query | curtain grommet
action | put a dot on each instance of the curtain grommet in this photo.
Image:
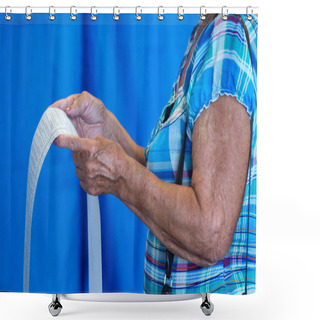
(160, 16)
(180, 15)
(28, 14)
(6, 15)
(249, 15)
(93, 17)
(203, 15)
(224, 12)
(52, 16)
(138, 16)
(73, 16)
(116, 16)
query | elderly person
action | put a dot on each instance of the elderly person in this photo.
(204, 222)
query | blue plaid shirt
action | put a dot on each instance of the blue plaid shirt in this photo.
(220, 65)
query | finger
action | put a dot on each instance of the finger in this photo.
(80, 174)
(63, 104)
(89, 189)
(80, 104)
(91, 186)
(83, 185)
(72, 142)
(78, 158)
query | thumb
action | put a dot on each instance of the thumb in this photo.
(79, 105)
(74, 110)
(63, 104)
(71, 142)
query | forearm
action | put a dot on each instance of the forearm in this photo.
(120, 135)
(170, 211)
(168, 240)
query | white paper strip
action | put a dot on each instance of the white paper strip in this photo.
(94, 244)
(53, 123)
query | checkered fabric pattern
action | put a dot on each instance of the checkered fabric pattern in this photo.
(220, 65)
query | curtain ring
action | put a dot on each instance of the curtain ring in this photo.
(72, 15)
(51, 16)
(116, 17)
(203, 15)
(249, 16)
(224, 12)
(138, 16)
(160, 16)
(28, 15)
(180, 15)
(7, 16)
(93, 17)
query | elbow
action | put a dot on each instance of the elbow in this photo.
(213, 241)
(211, 256)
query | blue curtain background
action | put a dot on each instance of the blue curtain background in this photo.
(131, 66)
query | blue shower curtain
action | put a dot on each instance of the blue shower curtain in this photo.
(130, 65)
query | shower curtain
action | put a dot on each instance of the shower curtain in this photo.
(131, 66)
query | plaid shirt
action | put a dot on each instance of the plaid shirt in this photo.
(220, 65)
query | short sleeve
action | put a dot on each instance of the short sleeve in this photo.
(222, 66)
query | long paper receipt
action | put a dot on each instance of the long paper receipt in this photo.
(53, 123)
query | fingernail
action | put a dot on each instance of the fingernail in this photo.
(68, 109)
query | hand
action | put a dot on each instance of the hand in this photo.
(100, 162)
(87, 113)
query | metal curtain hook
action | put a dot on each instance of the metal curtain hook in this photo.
(138, 16)
(116, 17)
(28, 15)
(249, 16)
(203, 15)
(180, 15)
(160, 16)
(72, 15)
(224, 12)
(7, 16)
(93, 17)
(51, 16)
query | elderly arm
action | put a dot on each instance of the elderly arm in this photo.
(123, 138)
(198, 222)
(195, 222)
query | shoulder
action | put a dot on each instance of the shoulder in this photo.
(222, 38)
(224, 64)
